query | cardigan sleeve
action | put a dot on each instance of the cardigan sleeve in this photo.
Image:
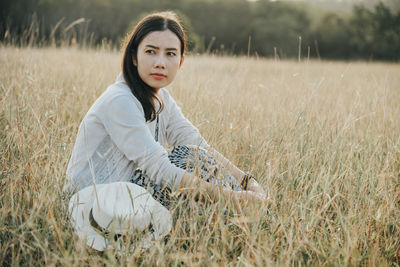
(179, 130)
(123, 119)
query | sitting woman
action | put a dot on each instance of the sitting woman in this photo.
(122, 136)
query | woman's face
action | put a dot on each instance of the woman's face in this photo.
(158, 58)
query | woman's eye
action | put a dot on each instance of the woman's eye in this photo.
(171, 54)
(150, 51)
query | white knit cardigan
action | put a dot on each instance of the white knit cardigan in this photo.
(114, 139)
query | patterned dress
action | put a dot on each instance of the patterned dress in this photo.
(191, 159)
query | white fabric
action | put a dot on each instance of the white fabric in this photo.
(120, 208)
(114, 139)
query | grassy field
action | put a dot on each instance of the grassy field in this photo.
(323, 139)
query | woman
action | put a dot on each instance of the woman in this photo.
(121, 136)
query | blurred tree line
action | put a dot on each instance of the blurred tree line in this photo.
(260, 28)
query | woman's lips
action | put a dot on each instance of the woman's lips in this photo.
(158, 76)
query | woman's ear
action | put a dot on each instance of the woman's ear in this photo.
(182, 59)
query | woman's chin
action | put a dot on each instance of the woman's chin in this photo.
(158, 84)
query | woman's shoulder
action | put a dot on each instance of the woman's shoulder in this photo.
(166, 97)
(116, 95)
(164, 93)
(117, 89)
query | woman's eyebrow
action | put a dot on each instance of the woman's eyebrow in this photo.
(156, 47)
(152, 46)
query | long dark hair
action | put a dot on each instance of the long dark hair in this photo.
(146, 94)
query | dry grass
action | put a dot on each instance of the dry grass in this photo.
(323, 139)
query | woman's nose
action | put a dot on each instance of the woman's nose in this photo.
(160, 62)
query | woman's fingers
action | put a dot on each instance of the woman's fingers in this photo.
(255, 197)
(250, 196)
(258, 190)
(255, 187)
(259, 196)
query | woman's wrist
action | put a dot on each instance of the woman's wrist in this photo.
(246, 181)
(253, 183)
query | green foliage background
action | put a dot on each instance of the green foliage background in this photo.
(217, 26)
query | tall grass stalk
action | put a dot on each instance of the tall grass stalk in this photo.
(62, 34)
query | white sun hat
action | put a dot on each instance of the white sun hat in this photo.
(101, 213)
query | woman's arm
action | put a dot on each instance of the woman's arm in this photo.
(123, 120)
(192, 184)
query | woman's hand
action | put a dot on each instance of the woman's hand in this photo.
(249, 196)
(248, 202)
(255, 193)
(256, 188)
